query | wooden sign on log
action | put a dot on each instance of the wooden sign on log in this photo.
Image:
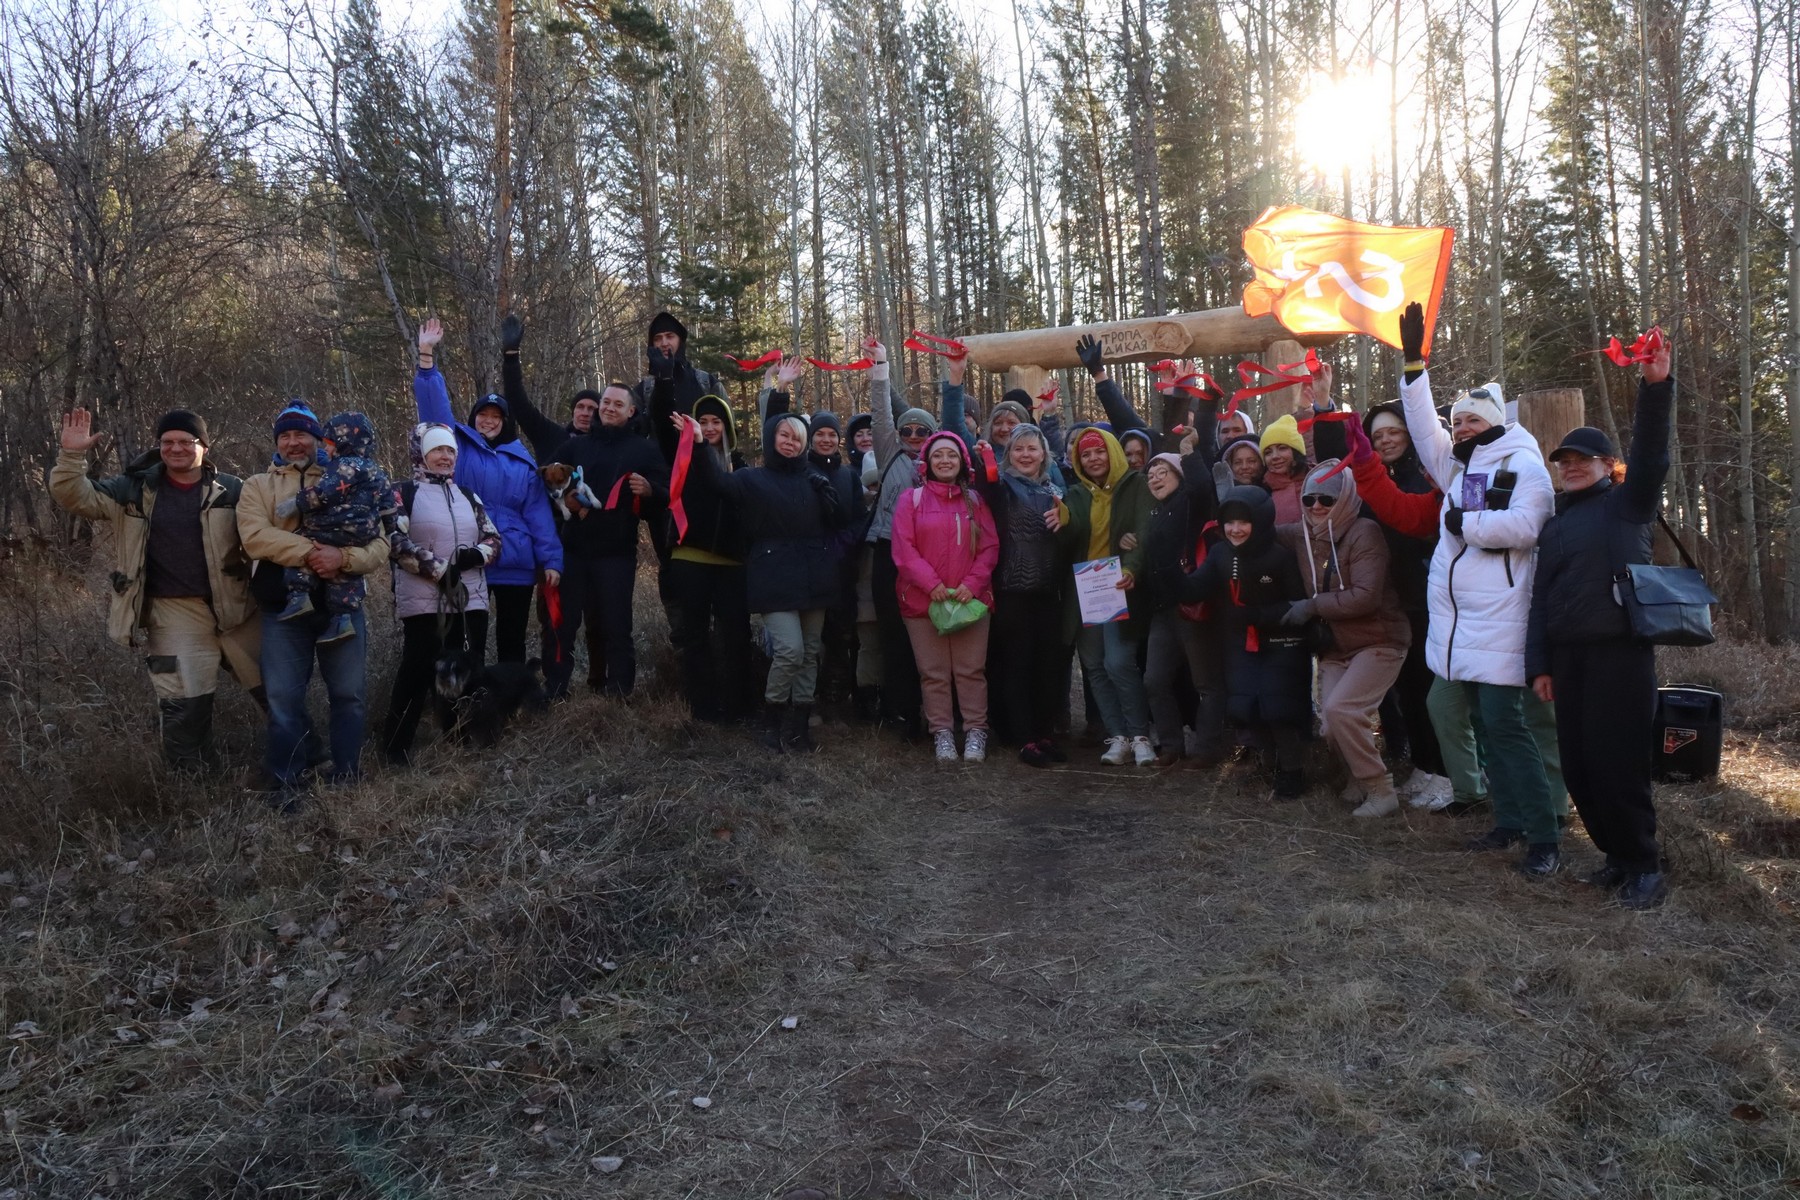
(1549, 414)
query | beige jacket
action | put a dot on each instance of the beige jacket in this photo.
(126, 501)
(272, 539)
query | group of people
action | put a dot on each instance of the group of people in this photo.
(1406, 580)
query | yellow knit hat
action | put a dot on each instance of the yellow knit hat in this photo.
(1283, 432)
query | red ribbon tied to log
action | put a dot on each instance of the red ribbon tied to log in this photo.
(1283, 378)
(1647, 346)
(943, 347)
(756, 364)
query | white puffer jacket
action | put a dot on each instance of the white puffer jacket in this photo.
(1480, 587)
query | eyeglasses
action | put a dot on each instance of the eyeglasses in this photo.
(915, 431)
(1318, 501)
(179, 443)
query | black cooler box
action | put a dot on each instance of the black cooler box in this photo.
(1690, 733)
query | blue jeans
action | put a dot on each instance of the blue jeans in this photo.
(1112, 673)
(288, 650)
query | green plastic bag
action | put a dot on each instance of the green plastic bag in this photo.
(949, 616)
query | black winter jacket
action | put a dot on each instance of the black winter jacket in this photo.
(1173, 532)
(1031, 555)
(687, 385)
(604, 454)
(791, 515)
(1591, 538)
(545, 434)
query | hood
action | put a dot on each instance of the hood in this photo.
(351, 434)
(1256, 505)
(1117, 467)
(1021, 412)
(1335, 520)
(666, 322)
(419, 472)
(711, 405)
(859, 422)
(1248, 439)
(1141, 435)
(773, 458)
(962, 453)
(509, 429)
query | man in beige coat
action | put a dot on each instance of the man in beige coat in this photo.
(181, 589)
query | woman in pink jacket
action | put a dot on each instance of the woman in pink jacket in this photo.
(945, 547)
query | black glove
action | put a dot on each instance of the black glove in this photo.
(1090, 353)
(661, 365)
(1412, 337)
(512, 333)
(1500, 493)
(468, 558)
(1453, 520)
(1299, 612)
(819, 482)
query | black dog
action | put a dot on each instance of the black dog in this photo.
(475, 701)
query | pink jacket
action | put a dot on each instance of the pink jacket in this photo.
(944, 534)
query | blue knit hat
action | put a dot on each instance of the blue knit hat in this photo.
(298, 415)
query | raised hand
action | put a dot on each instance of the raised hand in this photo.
(686, 426)
(430, 334)
(789, 370)
(1315, 393)
(78, 434)
(1657, 369)
(1412, 333)
(1092, 354)
(512, 333)
(1357, 439)
(661, 365)
(872, 345)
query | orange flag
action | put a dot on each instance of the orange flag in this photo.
(1322, 274)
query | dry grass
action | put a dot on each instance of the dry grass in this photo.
(479, 978)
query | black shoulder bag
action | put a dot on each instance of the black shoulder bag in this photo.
(1668, 606)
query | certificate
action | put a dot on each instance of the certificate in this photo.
(1097, 589)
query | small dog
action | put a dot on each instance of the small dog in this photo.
(569, 492)
(476, 701)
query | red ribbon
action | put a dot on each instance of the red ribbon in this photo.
(990, 469)
(1051, 387)
(612, 497)
(1252, 641)
(1641, 351)
(553, 610)
(861, 364)
(1200, 386)
(756, 364)
(1284, 377)
(925, 343)
(684, 458)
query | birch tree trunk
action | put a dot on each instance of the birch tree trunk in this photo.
(1752, 544)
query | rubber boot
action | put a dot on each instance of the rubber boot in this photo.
(1380, 798)
(187, 734)
(774, 723)
(796, 736)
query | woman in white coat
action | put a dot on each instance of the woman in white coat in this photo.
(1497, 497)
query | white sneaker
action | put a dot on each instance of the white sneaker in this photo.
(1416, 786)
(1143, 754)
(975, 745)
(1116, 750)
(1439, 796)
(945, 743)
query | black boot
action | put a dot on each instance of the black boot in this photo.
(187, 734)
(1645, 891)
(865, 705)
(796, 734)
(1542, 859)
(1290, 783)
(774, 722)
(1494, 839)
(1605, 876)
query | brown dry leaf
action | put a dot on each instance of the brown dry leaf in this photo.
(723, 833)
(1747, 1112)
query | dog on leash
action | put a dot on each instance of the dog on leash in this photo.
(569, 493)
(476, 701)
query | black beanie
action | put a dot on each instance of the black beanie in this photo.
(1018, 396)
(180, 420)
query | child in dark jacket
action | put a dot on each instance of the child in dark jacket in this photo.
(349, 506)
(1251, 580)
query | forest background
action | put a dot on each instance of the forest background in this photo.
(218, 210)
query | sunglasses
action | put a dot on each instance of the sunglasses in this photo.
(914, 431)
(1318, 501)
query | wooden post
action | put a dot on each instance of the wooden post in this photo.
(1279, 404)
(1025, 375)
(1548, 415)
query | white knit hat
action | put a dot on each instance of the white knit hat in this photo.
(436, 436)
(1487, 402)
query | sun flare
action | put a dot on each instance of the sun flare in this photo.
(1342, 123)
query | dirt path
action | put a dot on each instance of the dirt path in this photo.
(1100, 984)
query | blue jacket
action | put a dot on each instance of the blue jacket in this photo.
(506, 479)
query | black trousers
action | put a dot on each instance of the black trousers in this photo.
(1028, 665)
(510, 604)
(596, 588)
(1605, 718)
(900, 695)
(416, 677)
(711, 633)
(1405, 717)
